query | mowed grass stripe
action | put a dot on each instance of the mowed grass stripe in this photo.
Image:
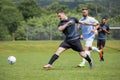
(32, 55)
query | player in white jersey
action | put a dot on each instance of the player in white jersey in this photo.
(88, 33)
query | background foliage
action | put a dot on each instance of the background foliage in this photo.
(36, 19)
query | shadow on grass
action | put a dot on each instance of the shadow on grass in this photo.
(63, 68)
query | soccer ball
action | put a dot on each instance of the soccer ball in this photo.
(11, 59)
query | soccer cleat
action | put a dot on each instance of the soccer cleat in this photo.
(81, 65)
(102, 59)
(91, 65)
(101, 53)
(48, 66)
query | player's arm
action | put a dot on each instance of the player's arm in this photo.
(106, 30)
(61, 28)
(79, 27)
(85, 23)
(96, 24)
(96, 27)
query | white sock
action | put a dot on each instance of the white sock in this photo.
(83, 59)
(94, 49)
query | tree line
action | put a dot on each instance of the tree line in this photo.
(25, 19)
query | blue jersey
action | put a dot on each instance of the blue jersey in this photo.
(102, 34)
(70, 31)
(86, 29)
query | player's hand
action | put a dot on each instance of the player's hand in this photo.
(99, 30)
(93, 30)
(104, 29)
(70, 22)
(81, 36)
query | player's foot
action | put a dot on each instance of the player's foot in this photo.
(91, 64)
(101, 53)
(81, 65)
(48, 66)
(102, 59)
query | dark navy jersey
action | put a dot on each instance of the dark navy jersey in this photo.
(70, 31)
(102, 34)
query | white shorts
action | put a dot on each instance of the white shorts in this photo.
(88, 42)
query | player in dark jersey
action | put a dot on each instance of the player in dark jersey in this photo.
(103, 30)
(67, 26)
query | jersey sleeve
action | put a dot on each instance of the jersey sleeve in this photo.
(59, 24)
(75, 19)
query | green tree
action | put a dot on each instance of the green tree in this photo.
(55, 6)
(29, 9)
(4, 35)
(10, 16)
(21, 33)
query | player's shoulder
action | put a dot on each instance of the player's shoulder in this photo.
(107, 25)
(72, 18)
(90, 17)
(82, 18)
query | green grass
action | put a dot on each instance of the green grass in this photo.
(32, 55)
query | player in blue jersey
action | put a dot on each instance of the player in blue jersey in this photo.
(72, 40)
(88, 33)
(103, 30)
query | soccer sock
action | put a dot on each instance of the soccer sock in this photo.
(95, 49)
(87, 52)
(53, 58)
(88, 58)
(102, 54)
(84, 60)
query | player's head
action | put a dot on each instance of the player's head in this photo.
(85, 12)
(61, 14)
(104, 20)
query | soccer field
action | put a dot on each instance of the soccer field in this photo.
(32, 55)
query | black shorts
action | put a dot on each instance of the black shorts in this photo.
(101, 42)
(74, 44)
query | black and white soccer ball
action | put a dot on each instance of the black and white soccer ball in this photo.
(11, 59)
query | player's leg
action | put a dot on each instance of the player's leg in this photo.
(88, 43)
(87, 57)
(76, 45)
(92, 48)
(95, 49)
(55, 56)
(100, 44)
(102, 48)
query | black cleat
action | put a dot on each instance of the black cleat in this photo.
(102, 59)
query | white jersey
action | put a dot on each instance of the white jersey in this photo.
(86, 29)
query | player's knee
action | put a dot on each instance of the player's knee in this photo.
(82, 54)
(60, 50)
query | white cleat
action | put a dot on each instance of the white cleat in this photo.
(81, 65)
(48, 66)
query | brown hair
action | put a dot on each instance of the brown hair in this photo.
(60, 11)
(104, 18)
(84, 8)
